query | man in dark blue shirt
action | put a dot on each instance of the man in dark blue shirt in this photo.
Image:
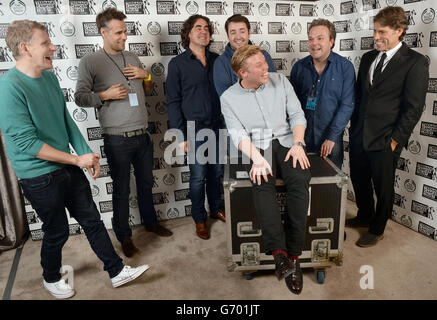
(192, 99)
(325, 85)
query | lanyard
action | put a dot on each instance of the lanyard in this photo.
(124, 63)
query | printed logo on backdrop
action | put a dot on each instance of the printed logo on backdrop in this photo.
(82, 7)
(414, 147)
(95, 191)
(164, 144)
(217, 47)
(434, 108)
(75, 229)
(94, 133)
(308, 10)
(169, 48)
(428, 15)
(410, 17)
(367, 43)
(357, 62)
(72, 73)
(109, 188)
(133, 28)
(243, 8)
(422, 209)
(303, 45)
(161, 216)
(68, 94)
(105, 206)
(432, 85)
(37, 234)
(169, 179)
(265, 45)
(5, 54)
(136, 7)
(49, 28)
(371, 5)
(343, 26)
(154, 28)
(61, 52)
(67, 29)
(108, 4)
(429, 60)
(391, 2)
(157, 69)
(410, 185)
(348, 7)
(348, 44)
(404, 164)
(133, 202)
(47, 6)
(154, 91)
(167, 7)
(280, 64)
(188, 210)
(102, 152)
(284, 9)
(433, 39)
(142, 49)
(80, 114)
(428, 129)
(104, 171)
(255, 27)
(84, 49)
(426, 230)
(172, 213)
(215, 27)
(284, 46)
(359, 24)
(192, 7)
(17, 7)
(174, 28)
(432, 151)
(277, 28)
(90, 29)
(413, 40)
(328, 10)
(32, 217)
(215, 7)
(399, 200)
(3, 30)
(264, 9)
(160, 198)
(181, 195)
(185, 177)
(406, 221)
(160, 108)
(426, 171)
(429, 192)
(154, 127)
(296, 28)
(412, 1)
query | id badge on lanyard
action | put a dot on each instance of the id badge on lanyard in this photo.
(311, 103)
(133, 98)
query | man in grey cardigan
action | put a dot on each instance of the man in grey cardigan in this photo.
(265, 121)
(113, 81)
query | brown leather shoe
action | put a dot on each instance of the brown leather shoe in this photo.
(128, 247)
(220, 215)
(159, 230)
(202, 230)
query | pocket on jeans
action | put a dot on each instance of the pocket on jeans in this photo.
(36, 184)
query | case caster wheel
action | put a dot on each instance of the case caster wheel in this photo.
(320, 276)
(248, 276)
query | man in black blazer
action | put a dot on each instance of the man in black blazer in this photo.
(391, 88)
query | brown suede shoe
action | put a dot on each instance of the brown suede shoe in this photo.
(202, 230)
(128, 247)
(159, 230)
(220, 215)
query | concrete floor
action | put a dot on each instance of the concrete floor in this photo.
(186, 267)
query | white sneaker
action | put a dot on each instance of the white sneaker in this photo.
(128, 274)
(60, 289)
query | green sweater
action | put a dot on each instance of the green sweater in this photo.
(32, 112)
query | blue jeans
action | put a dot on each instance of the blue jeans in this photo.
(209, 175)
(121, 152)
(49, 195)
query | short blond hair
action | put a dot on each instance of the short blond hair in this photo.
(21, 31)
(241, 55)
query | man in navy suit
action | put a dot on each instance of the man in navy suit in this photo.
(392, 83)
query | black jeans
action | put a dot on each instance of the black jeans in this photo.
(374, 170)
(291, 236)
(49, 195)
(121, 153)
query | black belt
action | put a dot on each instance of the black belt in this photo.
(130, 134)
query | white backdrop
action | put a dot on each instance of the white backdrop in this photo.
(278, 26)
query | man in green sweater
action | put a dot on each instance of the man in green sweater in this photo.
(38, 130)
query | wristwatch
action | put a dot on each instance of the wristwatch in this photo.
(299, 143)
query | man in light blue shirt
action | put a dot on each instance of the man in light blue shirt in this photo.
(266, 122)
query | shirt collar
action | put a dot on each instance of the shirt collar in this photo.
(390, 53)
(260, 88)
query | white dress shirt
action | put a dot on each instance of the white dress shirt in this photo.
(390, 53)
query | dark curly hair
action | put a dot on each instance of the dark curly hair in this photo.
(107, 15)
(188, 26)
